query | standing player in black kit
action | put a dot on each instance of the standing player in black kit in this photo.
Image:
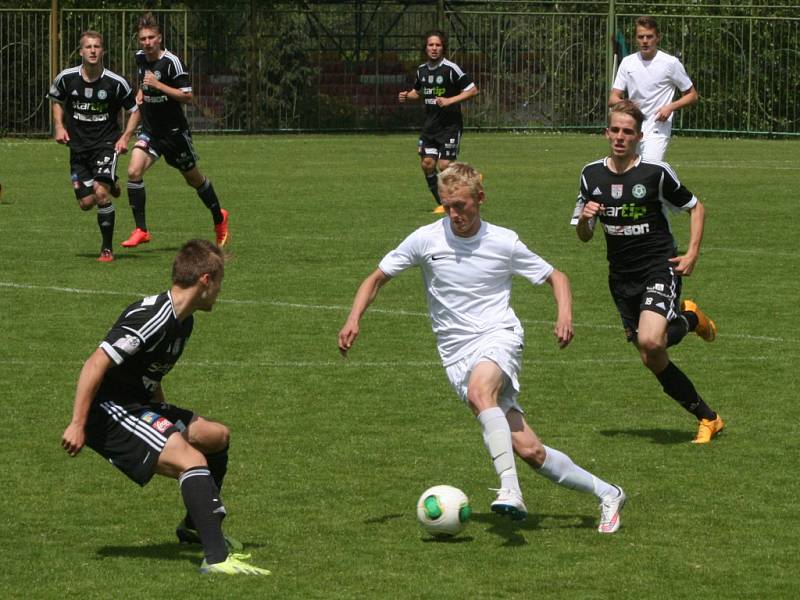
(164, 87)
(87, 101)
(121, 412)
(443, 86)
(630, 198)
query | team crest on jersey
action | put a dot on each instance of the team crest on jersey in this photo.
(102, 94)
(128, 344)
(616, 191)
(439, 79)
(639, 191)
(88, 92)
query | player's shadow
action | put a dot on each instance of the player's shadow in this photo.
(512, 531)
(136, 254)
(656, 436)
(162, 551)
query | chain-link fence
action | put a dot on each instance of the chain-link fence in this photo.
(324, 66)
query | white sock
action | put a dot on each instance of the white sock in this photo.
(559, 468)
(497, 437)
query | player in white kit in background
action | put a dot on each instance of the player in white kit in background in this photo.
(467, 266)
(650, 78)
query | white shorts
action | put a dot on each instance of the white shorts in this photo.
(503, 348)
(653, 146)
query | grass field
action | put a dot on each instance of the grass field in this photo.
(329, 455)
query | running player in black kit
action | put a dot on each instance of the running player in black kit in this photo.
(443, 86)
(630, 197)
(121, 412)
(164, 87)
(87, 101)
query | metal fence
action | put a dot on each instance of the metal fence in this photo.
(318, 66)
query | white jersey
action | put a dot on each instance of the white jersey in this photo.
(651, 84)
(467, 280)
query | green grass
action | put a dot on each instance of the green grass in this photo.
(329, 456)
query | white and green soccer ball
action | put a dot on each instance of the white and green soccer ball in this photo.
(443, 510)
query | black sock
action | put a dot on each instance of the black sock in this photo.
(136, 198)
(677, 329)
(203, 502)
(679, 387)
(433, 186)
(217, 466)
(106, 215)
(691, 319)
(209, 198)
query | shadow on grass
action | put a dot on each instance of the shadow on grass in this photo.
(128, 253)
(165, 551)
(512, 531)
(656, 436)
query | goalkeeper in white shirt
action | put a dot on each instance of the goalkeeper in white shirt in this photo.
(467, 265)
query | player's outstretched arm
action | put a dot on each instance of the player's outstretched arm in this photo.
(684, 264)
(94, 368)
(562, 294)
(366, 294)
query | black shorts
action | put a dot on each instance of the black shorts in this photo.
(176, 148)
(442, 144)
(90, 166)
(131, 437)
(658, 291)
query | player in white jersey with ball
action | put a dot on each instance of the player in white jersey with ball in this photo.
(650, 78)
(467, 265)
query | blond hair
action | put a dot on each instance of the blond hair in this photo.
(461, 174)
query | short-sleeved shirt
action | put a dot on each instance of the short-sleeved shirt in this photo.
(91, 108)
(467, 280)
(444, 79)
(651, 84)
(145, 343)
(635, 220)
(160, 113)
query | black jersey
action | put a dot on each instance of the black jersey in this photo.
(635, 220)
(445, 79)
(145, 343)
(160, 113)
(91, 108)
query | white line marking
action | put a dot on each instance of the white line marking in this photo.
(385, 311)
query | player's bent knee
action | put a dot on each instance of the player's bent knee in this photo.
(87, 202)
(177, 456)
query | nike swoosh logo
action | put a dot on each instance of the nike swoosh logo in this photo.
(440, 257)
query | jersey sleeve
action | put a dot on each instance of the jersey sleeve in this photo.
(58, 89)
(180, 76)
(679, 76)
(673, 192)
(418, 81)
(621, 78)
(528, 264)
(583, 198)
(463, 80)
(406, 255)
(137, 329)
(128, 97)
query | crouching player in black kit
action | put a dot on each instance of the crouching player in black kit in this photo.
(630, 198)
(442, 85)
(87, 101)
(121, 412)
(164, 87)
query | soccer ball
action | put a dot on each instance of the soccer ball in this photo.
(443, 510)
